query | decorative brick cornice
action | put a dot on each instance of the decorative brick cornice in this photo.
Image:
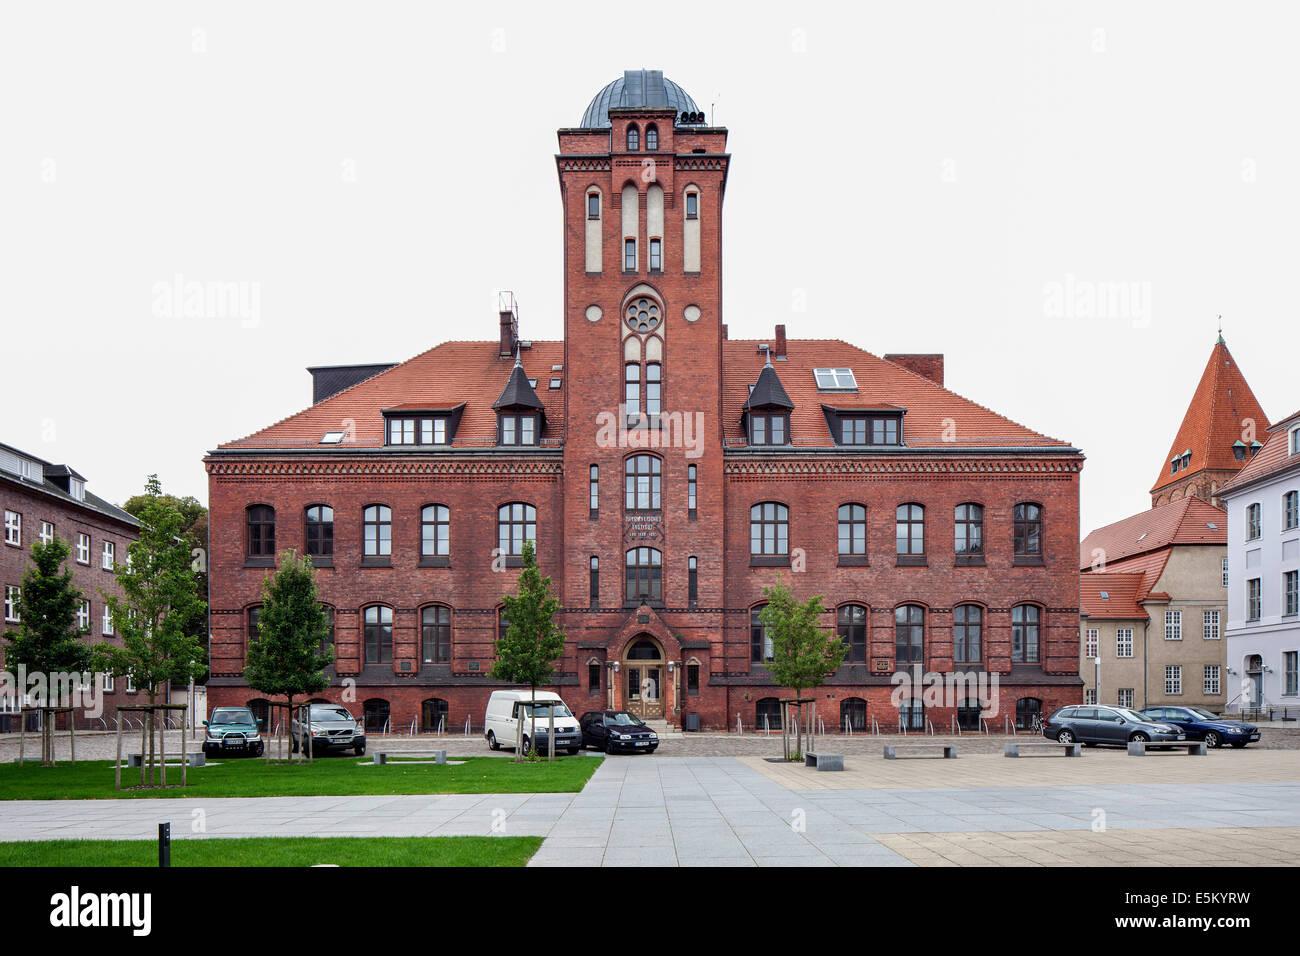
(473, 468)
(583, 164)
(699, 162)
(796, 467)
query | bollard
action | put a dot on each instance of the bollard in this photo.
(164, 844)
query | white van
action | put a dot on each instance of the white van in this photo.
(507, 707)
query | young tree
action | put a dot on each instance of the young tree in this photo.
(156, 613)
(804, 652)
(527, 651)
(289, 656)
(47, 640)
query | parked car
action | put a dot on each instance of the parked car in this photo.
(506, 708)
(1106, 725)
(332, 726)
(233, 731)
(1200, 724)
(614, 730)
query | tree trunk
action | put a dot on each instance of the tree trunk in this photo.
(532, 717)
(289, 715)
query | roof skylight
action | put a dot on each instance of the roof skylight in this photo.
(332, 438)
(834, 379)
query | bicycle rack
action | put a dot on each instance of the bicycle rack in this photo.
(875, 727)
(984, 726)
(468, 725)
(740, 727)
(929, 727)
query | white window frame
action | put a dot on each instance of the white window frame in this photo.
(106, 625)
(107, 683)
(1210, 625)
(83, 548)
(130, 684)
(1257, 599)
(13, 603)
(835, 379)
(1211, 685)
(1124, 697)
(1225, 571)
(1290, 592)
(1090, 695)
(14, 528)
(1173, 625)
(107, 555)
(1092, 644)
(1124, 642)
(1173, 680)
(47, 532)
(83, 615)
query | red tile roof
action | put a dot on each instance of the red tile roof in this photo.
(1215, 419)
(930, 407)
(1185, 521)
(1121, 601)
(443, 377)
(1274, 456)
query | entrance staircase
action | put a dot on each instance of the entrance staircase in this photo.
(660, 727)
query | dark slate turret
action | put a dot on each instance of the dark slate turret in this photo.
(768, 392)
(518, 393)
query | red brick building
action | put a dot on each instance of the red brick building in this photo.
(42, 500)
(667, 473)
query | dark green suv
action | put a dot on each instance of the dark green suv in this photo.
(233, 731)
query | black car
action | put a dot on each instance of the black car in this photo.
(615, 730)
(1200, 724)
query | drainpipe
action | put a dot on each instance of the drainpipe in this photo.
(1146, 699)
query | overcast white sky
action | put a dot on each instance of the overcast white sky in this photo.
(925, 176)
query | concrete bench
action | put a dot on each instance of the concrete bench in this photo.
(1070, 750)
(439, 756)
(194, 760)
(891, 751)
(1195, 748)
(824, 761)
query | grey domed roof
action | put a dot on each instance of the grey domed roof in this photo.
(637, 88)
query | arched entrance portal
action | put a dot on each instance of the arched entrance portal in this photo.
(643, 678)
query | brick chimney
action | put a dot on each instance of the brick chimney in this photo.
(509, 311)
(927, 366)
(779, 350)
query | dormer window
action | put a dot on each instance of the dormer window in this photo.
(518, 428)
(870, 429)
(768, 428)
(1239, 450)
(417, 430)
(1295, 441)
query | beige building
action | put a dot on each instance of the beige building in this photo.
(1153, 607)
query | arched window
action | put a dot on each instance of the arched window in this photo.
(641, 483)
(909, 634)
(379, 634)
(516, 523)
(644, 650)
(261, 709)
(853, 530)
(911, 715)
(435, 634)
(433, 716)
(320, 531)
(644, 575)
(760, 642)
(435, 531)
(643, 314)
(968, 714)
(378, 531)
(1028, 521)
(967, 632)
(261, 531)
(1027, 708)
(769, 529)
(651, 138)
(767, 714)
(1024, 634)
(852, 628)
(853, 715)
(376, 715)
(968, 531)
(910, 531)
(633, 139)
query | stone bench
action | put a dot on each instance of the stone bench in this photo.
(439, 756)
(891, 751)
(194, 760)
(1195, 748)
(824, 761)
(1070, 750)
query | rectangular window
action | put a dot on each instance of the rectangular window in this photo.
(130, 684)
(109, 683)
(691, 487)
(692, 206)
(519, 429)
(593, 581)
(693, 680)
(656, 255)
(884, 431)
(106, 625)
(1210, 625)
(1211, 685)
(13, 597)
(13, 528)
(593, 491)
(853, 431)
(593, 678)
(83, 616)
(47, 532)
(835, 379)
(1090, 645)
(1124, 698)
(1225, 572)
(1124, 642)
(83, 549)
(106, 558)
(1291, 600)
(1290, 510)
(1090, 695)
(1173, 625)
(1252, 599)
(629, 255)
(1173, 679)
(692, 583)
(1254, 524)
(1291, 673)
(593, 205)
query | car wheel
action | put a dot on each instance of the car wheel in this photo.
(1140, 737)
(1237, 745)
(1213, 740)
(261, 748)
(527, 749)
(573, 751)
(609, 746)
(359, 749)
(492, 741)
(652, 750)
(1066, 736)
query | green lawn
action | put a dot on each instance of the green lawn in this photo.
(278, 851)
(334, 776)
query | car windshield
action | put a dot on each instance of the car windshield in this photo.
(231, 717)
(1203, 713)
(544, 707)
(330, 713)
(622, 719)
(1132, 715)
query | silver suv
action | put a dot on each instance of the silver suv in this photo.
(332, 726)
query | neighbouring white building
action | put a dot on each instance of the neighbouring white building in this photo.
(1263, 633)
